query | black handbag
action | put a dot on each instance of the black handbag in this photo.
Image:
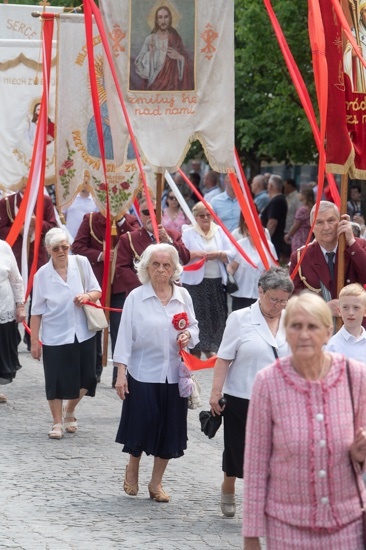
(231, 284)
(363, 514)
(209, 423)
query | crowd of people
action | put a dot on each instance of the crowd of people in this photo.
(287, 380)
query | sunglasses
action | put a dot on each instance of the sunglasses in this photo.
(172, 198)
(202, 216)
(147, 213)
(59, 247)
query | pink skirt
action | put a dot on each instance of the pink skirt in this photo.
(282, 536)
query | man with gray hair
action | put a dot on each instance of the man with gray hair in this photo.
(273, 216)
(258, 187)
(318, 269)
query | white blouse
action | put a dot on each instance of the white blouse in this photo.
(11, 284)
(53, 298)
(147, 339)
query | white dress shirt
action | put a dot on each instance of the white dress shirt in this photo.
(345, 343)
(53, 298)
(247, 342)
(11, 284)
(147, 339)
(76, 211)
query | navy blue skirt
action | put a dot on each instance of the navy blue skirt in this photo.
(153, 420)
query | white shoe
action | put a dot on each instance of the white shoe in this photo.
(228, 507)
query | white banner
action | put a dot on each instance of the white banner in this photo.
(77, 143)
(17, 23)
(21, 92)
(175, 65)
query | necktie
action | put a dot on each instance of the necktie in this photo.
(330, 256)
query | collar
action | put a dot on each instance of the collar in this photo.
(325, 251)
(149, 292)
(348, 336)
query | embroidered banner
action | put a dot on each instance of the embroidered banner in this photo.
(77, 143)
(175, 63)
(346, 115)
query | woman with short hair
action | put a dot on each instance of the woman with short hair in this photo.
(157, 319)
(69, 347)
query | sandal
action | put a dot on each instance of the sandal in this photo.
(3, 398)
(130, 489)
(158, 496)
(57, 432)
(70, 427)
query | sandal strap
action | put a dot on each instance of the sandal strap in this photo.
(73, 424)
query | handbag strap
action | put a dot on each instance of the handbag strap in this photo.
(275, 352)
(81, 271)
(349, 379)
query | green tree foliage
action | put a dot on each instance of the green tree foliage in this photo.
(270, 122)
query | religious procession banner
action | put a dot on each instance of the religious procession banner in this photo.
(346, 115)
(20, 91)
(175, 66)
(77, 142)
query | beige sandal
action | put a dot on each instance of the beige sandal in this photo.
(3, 398)
(57, 432)
(70, 427)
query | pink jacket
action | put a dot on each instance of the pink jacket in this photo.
(297, 466)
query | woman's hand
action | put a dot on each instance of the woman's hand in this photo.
(358, 447)
(80, 299)
(183, 338)
(36, 349)
(252, 543)
(197, 254)
(213, 255)
(20, 313)
(215, 397)
(121, 382)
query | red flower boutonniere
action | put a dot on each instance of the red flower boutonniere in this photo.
(180, 321)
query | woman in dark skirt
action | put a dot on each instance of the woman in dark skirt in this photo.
(206, 240)
(157, 319)
(11, 313)
(69, 347)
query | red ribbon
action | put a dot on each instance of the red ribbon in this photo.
(193, 363)
(195, 266)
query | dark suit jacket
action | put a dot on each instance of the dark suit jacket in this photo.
(314, 268)
(7, 205)
(125, 277)
(89, 240)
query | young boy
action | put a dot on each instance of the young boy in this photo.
(350, 340)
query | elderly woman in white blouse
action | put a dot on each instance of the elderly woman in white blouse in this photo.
(11, 313)
(206, 240)
(157, 320)
(69, 347)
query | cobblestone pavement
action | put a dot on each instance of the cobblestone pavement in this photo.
(67, 495)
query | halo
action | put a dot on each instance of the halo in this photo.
(176, 15)
(33, 103)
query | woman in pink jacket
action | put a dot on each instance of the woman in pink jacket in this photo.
(303, 432)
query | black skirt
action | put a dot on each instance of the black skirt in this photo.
(9, 361)
(235, 421)
(153, 420)
(69, 368)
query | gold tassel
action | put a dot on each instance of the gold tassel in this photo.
(114, 229)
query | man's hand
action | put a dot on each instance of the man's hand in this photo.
(163, 235)
(334, 307)
(345, 228)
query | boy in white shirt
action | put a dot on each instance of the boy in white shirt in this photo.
(350, 340)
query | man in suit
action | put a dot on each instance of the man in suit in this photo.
(90, 242)
(318, 270)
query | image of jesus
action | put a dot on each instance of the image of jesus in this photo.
(163, 63)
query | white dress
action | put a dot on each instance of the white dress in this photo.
(11, 284)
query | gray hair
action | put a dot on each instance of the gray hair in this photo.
(324, 205)
(55, 236)
(276, 181)
(276, 278)
(142, 265)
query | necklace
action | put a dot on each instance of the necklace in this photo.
(322, 373)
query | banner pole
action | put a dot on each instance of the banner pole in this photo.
(342, 242)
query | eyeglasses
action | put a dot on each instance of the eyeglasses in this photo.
(146, 212)
(172, 198)
(274, 301)
(202, 216)
(59, 247)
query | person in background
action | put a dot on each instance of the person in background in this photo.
(206, 240)
(273, 217)
(226, 206)
(302, 433)
(253, 337)
(173, 216)
(355, 204)
(242, 230)
(82, 204)
(358, 218)
(69, 348)
(350, 340)
(195, 178)
(211, 182)
(299, 231)
(11, 312)
(154, 416)
(245, 275)
(293, 203)
(260, 194)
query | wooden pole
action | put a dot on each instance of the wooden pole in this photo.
(342, 241)
(107, 304)
(159, 193)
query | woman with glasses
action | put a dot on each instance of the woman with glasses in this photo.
(173, 216)
(207, 241)
(253, 338)
(60, 289)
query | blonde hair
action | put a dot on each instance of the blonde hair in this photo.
(312, 304)
(198, 207)
(355, 289)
